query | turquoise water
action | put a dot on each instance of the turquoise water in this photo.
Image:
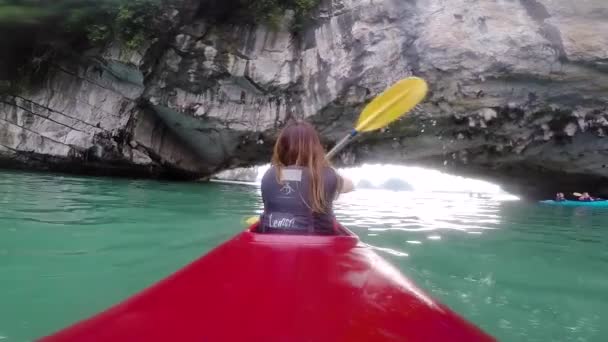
(72, 246)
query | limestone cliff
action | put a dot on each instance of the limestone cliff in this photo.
(519, 93)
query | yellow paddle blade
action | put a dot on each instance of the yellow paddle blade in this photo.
(577, 194)
(253, 219)
(392, 104)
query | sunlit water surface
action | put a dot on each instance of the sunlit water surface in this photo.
(72, 246)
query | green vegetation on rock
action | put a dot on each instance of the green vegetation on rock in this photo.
(36, 33)
(270, 12)
(129, 22)
(95, 21)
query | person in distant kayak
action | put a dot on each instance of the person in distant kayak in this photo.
(559, 197)
(299, 188)
(585, 197)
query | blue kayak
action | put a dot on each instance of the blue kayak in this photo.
(598, 203)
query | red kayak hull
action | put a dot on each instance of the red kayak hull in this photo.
(259, 287)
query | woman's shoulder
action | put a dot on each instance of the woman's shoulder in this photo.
(270, 169)
(331, 177)
(330, 171)
(271, 172)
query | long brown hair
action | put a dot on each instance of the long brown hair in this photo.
(299, 145)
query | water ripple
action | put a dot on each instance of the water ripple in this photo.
(521, 271)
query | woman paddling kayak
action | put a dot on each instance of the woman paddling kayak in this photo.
(299, 189)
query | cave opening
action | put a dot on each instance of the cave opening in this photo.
(394, 177)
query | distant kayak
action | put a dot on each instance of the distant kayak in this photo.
(261, 287)
(599, 203)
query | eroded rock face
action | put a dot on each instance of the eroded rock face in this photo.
(519, 93)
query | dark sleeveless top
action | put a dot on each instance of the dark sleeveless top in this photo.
(286, 206)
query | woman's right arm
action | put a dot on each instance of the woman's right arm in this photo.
(347, 185)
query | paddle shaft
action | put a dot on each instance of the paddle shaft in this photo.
(341, 144)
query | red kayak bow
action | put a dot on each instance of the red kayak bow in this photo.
(259, 287)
